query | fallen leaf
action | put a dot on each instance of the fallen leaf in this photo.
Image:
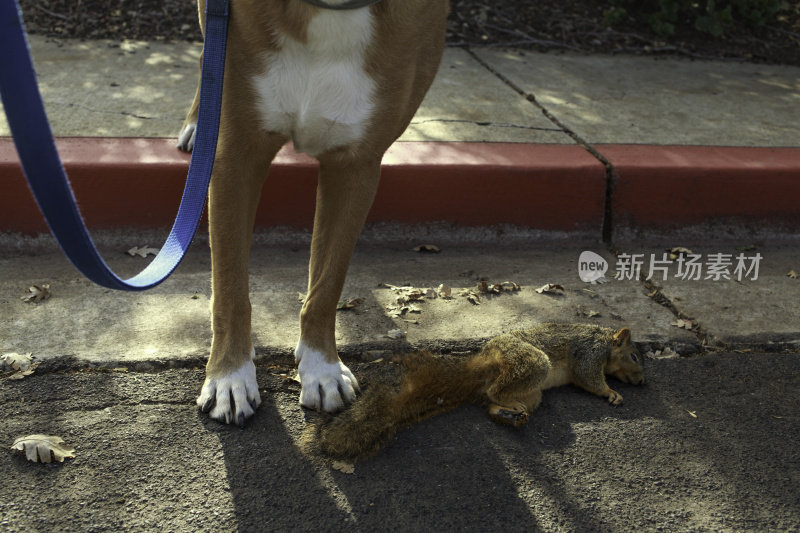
(683, 323)
(342, 466)
(591, 314)
(472, 297)
(444, 291)
(395, 334)
(429, 248)
(20, 374)
(16, 361)
(43, 448)
(792, 274)
(510, 286)
(351, 303)
(37, 293)
(550, 288)
(678, 251)
(142, 251)
(691, 413)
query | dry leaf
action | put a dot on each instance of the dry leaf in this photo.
(691, 413)
(348, 304)
(683, 323)
(395, 334)
(551, 288)
(444, 291)
(142, 251)
(472, 297)
(678, 251)
(792, 274)
(429, 248)
(43, 448)
(591, 314)
(510, 286)
(37, 293)
(345, 468)
(16, 361)
(19, 374)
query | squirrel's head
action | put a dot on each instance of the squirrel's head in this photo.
(625, 362)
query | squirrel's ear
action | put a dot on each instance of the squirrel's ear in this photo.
(621, 336)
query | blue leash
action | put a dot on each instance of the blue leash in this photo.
(45, 173)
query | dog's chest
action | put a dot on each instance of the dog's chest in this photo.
(317, 92)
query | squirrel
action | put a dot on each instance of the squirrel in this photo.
(508, 375)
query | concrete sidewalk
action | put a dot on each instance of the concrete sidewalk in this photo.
(601, 145)
(539, 149)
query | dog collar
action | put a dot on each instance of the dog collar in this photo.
(351, 4)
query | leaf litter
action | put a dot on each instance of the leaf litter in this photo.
(37, 293)
(407, 297)
(142, 251)
(43, 448)
(21, 365)
(551, 288)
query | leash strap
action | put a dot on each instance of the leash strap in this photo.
(45, 172)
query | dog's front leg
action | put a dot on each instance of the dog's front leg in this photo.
(345, 192)
(230, 392)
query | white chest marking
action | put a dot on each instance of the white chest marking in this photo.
(317, 92)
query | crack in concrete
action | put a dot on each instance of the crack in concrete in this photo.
(103, 111)
(612, 176)
(484, 123)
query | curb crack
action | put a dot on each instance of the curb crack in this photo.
(612, 175)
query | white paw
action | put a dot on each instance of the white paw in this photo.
(232, 398)
(326, 386)
(186, 137)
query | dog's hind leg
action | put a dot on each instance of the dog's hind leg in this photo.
(345, 191)
(230, 393)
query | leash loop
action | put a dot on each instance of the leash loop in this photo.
(44, 171)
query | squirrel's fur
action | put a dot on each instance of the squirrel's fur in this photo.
(508, 375)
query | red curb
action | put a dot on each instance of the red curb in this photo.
(672, 186)
(138, 183)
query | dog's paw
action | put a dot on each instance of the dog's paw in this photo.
(324, 386)
(186, 137)
(232, 398)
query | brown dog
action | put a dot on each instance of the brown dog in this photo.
(342, 85)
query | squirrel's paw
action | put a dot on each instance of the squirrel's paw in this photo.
(510, 416)
(614, 398)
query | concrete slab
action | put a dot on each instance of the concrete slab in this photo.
(631, 100)
(143, 89)
(756, 308)
(171, 322)
(467, 102)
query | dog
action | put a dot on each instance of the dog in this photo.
(341, 82)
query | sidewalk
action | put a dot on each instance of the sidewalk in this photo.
(600, 145)
(508, 190)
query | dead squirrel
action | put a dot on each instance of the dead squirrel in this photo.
(508, 376)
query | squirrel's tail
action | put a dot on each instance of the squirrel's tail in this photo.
(429, 386)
